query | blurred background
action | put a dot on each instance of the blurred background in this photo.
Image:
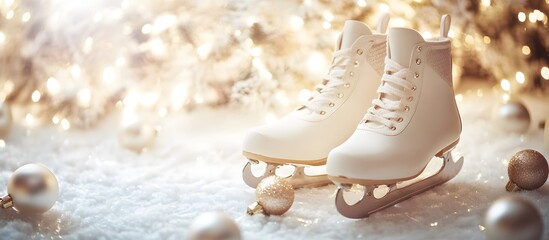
(139, 108)
(70, 63)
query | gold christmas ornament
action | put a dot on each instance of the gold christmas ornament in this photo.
(513, 116)
(527, 170)
(32, 189)
(275, 195)
(213, 226)
(513, 218)
(5, 120)
(137, 136)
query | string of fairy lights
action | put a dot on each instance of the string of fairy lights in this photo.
(69, 63)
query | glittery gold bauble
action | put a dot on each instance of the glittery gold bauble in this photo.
(275, 195)
(5, 119)
(513, 117)
(527, 170)
(32, 188)
(213, 226)
(513, 218)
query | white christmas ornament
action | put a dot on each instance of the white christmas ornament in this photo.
(32, 188)
(137, 136)
(513, 218)
(213, 226)
(513, 116)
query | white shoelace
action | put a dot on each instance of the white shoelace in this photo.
(326, 91)
(395, 91)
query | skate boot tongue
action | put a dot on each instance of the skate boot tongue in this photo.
(401, 44)
(352, 30)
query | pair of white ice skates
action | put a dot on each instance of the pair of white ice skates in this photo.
(413, 117)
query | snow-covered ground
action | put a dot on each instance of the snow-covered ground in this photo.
(109, 192)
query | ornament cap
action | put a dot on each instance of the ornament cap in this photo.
(512, 187)
(6, 201)
(255, 208)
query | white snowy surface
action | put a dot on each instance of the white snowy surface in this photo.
(108, 192)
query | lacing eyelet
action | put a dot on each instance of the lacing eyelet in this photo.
(359, 51)
(331, 104)
(410, 98)
(351, 74)
(357, 63)
(322, 113)
(418, 61)
(340, 95)
(414, 88)
(419, 48)
(400, 119)
(346, 85)
(416, 75)
(393, 128)
(406, 109)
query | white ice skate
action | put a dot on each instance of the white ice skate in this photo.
(414, 119)
(305, 137)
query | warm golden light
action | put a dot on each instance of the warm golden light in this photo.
(545, 73)
(26, 17)
(296, 22)
(505, 85)
(520, 77)
(204, 50)
(521, 16)
(52, 85)
(532, 17)
(486, 39)
(65, 124)
(525, 50)
(36, 96)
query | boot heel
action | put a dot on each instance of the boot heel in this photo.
(447, 149)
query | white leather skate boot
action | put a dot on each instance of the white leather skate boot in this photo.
(305, 136)
(414, 119)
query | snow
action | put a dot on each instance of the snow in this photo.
(109, 192)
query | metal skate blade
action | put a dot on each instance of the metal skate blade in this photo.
(250, 179)
(370, 204)
(297, 176)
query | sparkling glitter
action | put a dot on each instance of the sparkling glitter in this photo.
(275, 195)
